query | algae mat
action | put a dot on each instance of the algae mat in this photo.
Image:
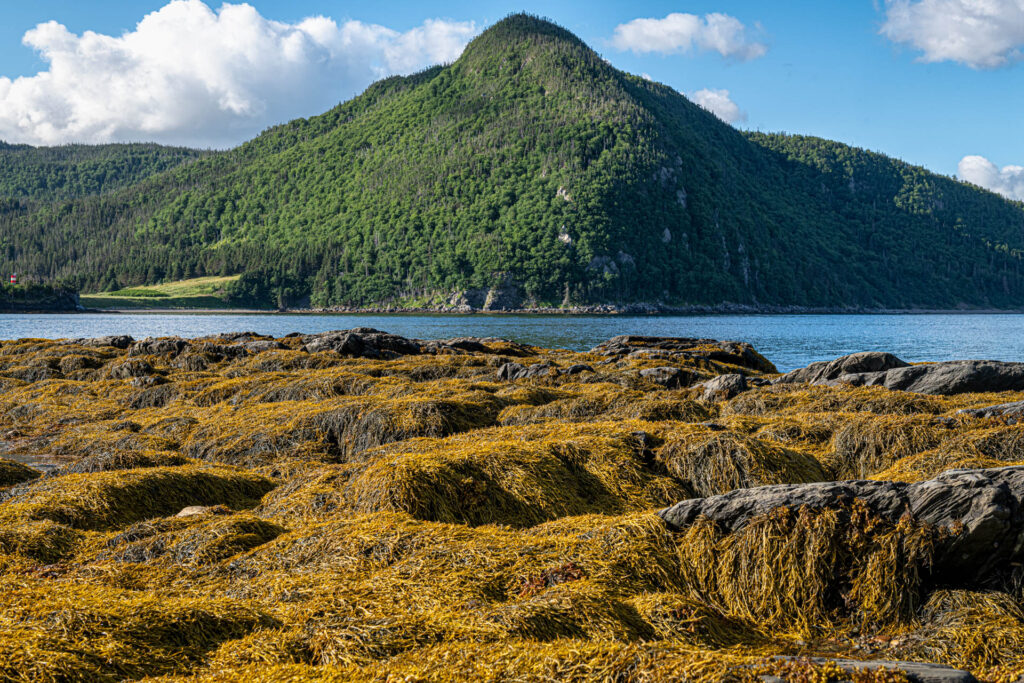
(359, 506)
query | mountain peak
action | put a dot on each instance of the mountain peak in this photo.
(521, 28)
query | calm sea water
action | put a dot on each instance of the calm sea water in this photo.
(790, 341)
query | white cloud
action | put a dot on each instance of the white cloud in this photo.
(1007, 181)
(719, 103)
(979, 33)
(190, 75)
(680, 33)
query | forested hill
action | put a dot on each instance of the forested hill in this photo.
(70, 171)
(532, 172)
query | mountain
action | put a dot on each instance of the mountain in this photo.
(531, 172)
(69, 171)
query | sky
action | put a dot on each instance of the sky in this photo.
(939, 83)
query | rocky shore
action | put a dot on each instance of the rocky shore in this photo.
(356, 505)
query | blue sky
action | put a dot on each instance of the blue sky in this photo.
(919, 92)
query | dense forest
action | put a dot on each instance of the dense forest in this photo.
(531, 165)
(36, 297)
(70, 171)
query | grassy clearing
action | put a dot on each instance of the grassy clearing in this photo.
(201, 292)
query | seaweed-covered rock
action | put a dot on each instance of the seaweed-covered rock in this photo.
(261, 345)
(132, 367)
(886, 370)
(13, 472)
(1010, 413)
(684, 348)
(668, 377)
(169, 346)
(982, 509)
(511, 372)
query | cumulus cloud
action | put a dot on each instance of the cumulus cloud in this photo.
(680, 33)
(719, 103)
(982, 34)
(188, 74)
(1007, 181)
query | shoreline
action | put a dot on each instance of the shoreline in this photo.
(586, 311)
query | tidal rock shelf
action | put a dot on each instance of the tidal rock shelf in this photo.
(355, 505)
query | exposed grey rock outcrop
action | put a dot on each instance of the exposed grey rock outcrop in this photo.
(511, 372)
(1011, 413)
(361, 342)
(724, 387)
(668, 377)
(684, 348)
(118, 341)
(855, 363)
(884, 369)
(171, 346)
(984, 507)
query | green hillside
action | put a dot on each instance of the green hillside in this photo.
(532, 168)
(69, 171)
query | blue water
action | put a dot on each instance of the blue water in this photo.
(790, 341)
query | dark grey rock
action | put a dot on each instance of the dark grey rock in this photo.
(455, 345)
(133, 367)
(118, 341)
(147, 381)
(361, 342)
(684, 348)
(510, 372)
(950, 377)
(157, 347)
(1011, 413)
(723, 387)
(191, 362)
(823, 371)
(668, 377)
(261, 345)
(577, 369)
(984, 507)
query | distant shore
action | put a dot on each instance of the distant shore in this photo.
(726, 309)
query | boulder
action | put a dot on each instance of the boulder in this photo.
(118, 341)
(455, 345)
(724, 387)
(261, 345)
(984, 508)
(824, 371)
(668, 377)
(684, 348)
(157, 347)
(509, 372)
(361, 342)
(132, 367)
(884, 369)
